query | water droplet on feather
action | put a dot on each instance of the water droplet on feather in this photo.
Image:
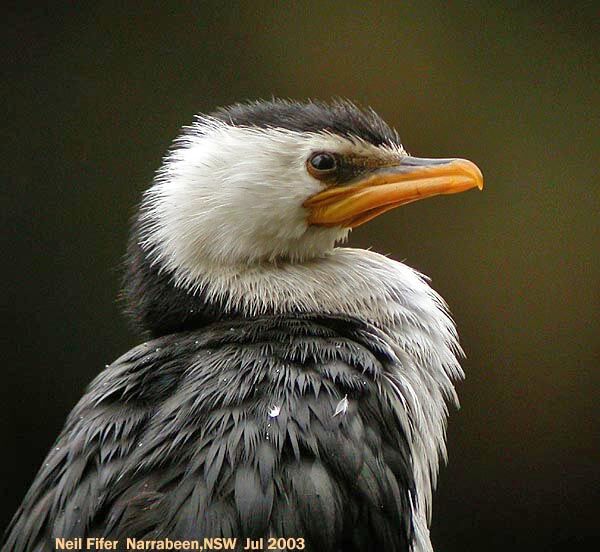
(342, 406)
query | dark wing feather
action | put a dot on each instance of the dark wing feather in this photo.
(233, 431)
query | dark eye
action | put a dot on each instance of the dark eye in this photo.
(322, 163)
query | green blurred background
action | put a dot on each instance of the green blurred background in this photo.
(95, 93)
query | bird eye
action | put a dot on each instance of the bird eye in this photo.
(321, 163)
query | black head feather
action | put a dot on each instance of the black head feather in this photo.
(340, 117)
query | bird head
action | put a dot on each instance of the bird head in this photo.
(279, 180)
(243, 216)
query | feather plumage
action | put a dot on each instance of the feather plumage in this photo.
(136, 461)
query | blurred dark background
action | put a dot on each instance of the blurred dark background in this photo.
(94, 96)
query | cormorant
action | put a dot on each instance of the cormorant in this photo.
(289, 388)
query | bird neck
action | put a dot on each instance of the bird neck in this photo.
(344, 281)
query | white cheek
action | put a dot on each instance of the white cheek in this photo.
(234, 195)
(262, 204)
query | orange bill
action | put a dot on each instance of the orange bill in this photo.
(385, 188)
